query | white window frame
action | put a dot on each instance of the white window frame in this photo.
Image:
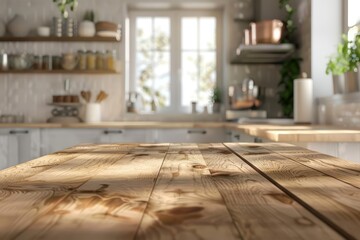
(175, 52)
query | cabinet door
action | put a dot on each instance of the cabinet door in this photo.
(28, 142)
(58, 139)
(194, 135)
(237, 136)
(9, 154)
(128, 136)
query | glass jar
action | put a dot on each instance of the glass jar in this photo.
(47, 62)
(100, 61)
(111, 60)
(82, 60)
(56, 61)
(37, 65)
(91, 60)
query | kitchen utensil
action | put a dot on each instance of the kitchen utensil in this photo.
(21, 61)
(69, 61)
(86, 95)
(266, 32)
(101, 96)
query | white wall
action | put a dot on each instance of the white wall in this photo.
(326, 30)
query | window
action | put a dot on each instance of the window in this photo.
(174, 58)
(353, 18)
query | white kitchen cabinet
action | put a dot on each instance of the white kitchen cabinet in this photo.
(344, 150)
(192, 135)
(18, 146)
(238, 136)
(128, 136)
(54, 140)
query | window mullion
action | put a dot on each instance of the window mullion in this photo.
(176, 61)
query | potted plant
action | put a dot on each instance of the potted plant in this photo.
(87, 26)
(216, 99)
(344, 66)
(64, 5)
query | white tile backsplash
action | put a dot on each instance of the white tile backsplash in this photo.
(29, 94)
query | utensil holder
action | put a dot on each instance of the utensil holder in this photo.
(92, 113)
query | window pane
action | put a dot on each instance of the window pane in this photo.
(207, 33)
(161, 87)
(143, 33)
(189, 32)
(153, 61)
(189, 81)
(353, 12)
(207, 77)
(162, 33)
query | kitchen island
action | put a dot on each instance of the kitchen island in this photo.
(181, 191)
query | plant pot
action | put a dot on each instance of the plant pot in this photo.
(87, 29)
(216, 107)
(346, 83)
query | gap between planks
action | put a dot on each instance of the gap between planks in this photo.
(335, 221)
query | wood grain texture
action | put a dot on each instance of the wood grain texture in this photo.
(335, 202)
(340, 169)
(185, 203)
(29, 197)
(110, 205)
(259, 209)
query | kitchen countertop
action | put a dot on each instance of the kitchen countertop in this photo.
(181, 191)
(274, 132)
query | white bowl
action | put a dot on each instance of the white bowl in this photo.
(43, 31)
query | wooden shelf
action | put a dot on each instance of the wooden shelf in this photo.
(263, 53)
(58, 39)
(58, 72)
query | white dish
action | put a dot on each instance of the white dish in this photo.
(43, 31)
(107, 34)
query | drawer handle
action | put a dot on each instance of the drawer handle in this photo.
(197, 132)
(237, 137)
(113, 132)
(19, 132)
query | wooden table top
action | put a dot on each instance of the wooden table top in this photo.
(181, 191)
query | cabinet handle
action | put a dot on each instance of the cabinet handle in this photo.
(113, 132)
(197, 132)
(237, 137)
(19, 132)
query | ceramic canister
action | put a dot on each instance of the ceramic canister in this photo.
(18, 26)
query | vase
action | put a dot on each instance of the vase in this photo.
(216, 107)
(87, 29)
(18, 27)
(346, 83)
(2, 28)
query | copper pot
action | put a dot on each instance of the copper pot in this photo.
(268, 31)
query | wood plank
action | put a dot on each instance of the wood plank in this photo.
(108, 206)
(185, 203)
(340, 169)
(30, 197)
(21, 171)
(335, 202)
(258, 207)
